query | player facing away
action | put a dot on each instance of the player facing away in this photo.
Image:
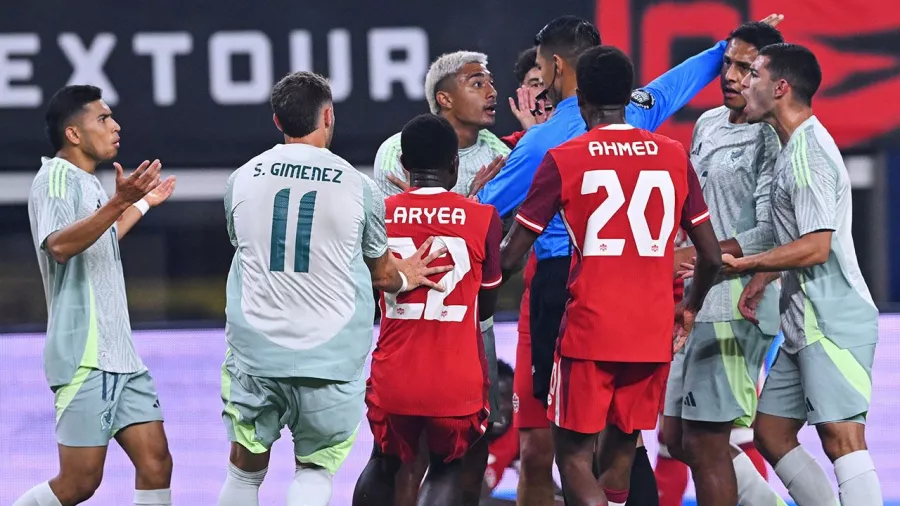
(429, 371)
(823, 372)
(101, 386)
(460, 88)
(308, 230)
(619, 190)
(712, 382)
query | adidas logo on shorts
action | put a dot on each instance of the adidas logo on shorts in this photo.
(689, 400)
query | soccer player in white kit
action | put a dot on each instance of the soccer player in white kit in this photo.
(823, 372)
(310, 243)
(101, 387)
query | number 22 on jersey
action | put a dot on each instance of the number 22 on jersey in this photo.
(647, 245)
(280, 217)
(433, 308)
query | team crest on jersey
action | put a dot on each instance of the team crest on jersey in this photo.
(515, 403)
(643, 98)
(106, 420)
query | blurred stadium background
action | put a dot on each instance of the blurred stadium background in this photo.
(190, 82)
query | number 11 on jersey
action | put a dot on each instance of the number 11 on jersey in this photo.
(280, 215)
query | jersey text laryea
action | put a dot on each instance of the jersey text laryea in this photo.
(430, 359)
(622, 192)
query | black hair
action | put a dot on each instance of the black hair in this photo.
(428, 143)
(526, 61)
(297, 100)
(605, 75)
(798, 66)
(757, 34)
(568, 37)
(65, 104)
(504, 369)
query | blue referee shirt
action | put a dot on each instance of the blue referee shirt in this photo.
(649, 107)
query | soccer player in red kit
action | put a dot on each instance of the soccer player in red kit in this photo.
(429, 373)
(620, 190)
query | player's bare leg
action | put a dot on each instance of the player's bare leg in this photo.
(708, 451)
(673, 435)
(386, 481)
(575, 458)
(246, 471)
(617, 451)
(80, 473)
(474, 464)
(776, 439)
(536, 485)
(147, 447)
(442, 485)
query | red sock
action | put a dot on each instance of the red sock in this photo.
(757, 459)
(616, 496)
(671, 480)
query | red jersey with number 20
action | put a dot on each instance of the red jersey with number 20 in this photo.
(622, 192)
(429, 360)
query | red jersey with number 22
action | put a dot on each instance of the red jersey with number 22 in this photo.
(622, 192)
(430, 359)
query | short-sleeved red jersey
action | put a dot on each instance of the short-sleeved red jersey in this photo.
(429, 360)
(622, 192)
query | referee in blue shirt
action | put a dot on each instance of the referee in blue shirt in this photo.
(560, 43)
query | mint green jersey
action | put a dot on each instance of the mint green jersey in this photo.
(811, 192)
(88, 323)
(299, 294)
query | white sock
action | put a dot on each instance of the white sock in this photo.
(40, 495)
(753, 490)
(616, 504)
(311, 487)
(858, 483)
(159, 497)
(241, 488)
(805, 479)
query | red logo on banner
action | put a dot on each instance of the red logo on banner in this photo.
(856, 42)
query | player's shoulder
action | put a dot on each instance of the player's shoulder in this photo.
(492, 142)
(816, 148)
(672, 146)
(714, 114)
(53, 177)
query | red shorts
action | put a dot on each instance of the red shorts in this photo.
(586, 396)
(528, 412)
(449, 436)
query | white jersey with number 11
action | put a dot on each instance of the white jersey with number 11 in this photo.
(299, 295)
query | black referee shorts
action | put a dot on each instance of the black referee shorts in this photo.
(549, 295)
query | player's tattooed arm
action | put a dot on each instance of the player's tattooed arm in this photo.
(79, 236)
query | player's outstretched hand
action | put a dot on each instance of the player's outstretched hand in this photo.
(773, 19)
(485, 174)
(751, 296)
(416, 269)
(684, 323)
(162, 192)
(523, 107)
(139, 183)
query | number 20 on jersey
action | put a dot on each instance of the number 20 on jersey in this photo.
(647, 245)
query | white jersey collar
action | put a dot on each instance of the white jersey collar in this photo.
(432, 190)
